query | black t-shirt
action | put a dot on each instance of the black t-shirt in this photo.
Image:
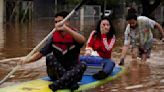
(70, 58)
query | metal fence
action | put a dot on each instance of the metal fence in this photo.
(85, 19)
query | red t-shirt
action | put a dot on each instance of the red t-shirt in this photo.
(102, 45)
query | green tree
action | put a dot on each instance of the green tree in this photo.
(73, 2)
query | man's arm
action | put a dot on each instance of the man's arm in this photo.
(155, 25)
(126, 45)
(39, 54)
(78, 37)
(126, 41)
(159, 27)
(36, 56)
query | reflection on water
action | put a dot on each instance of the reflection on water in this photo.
(18, 40)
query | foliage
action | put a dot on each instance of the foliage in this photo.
(73, 2)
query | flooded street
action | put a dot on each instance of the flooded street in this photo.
(139, 76)
(18, 40)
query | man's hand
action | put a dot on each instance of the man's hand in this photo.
(60, 26)
(23, 60)
(162, 39)
(122, 61)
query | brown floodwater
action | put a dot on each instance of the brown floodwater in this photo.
(17, 40)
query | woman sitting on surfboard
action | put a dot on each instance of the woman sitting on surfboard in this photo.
(99, 47)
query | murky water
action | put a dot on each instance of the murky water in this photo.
(17, 41)
(139, 76)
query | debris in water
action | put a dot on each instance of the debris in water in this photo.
(12, 76)
(134, 87)
(162, 81)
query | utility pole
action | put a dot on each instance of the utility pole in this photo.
(82, 19)
(1, 11)
(56, 4)
(104, 8)
(1, 23)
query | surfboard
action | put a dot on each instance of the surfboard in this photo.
(87, 82)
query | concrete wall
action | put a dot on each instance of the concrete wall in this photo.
(1, 10)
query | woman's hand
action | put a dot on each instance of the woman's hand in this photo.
(88, 52)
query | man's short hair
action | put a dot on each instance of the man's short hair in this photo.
(131, 16)
(63, 14)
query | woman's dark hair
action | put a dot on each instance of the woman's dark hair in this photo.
(110, 33)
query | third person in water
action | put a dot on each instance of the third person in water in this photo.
(138, 35)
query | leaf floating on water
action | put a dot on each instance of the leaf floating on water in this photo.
(114, 90)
